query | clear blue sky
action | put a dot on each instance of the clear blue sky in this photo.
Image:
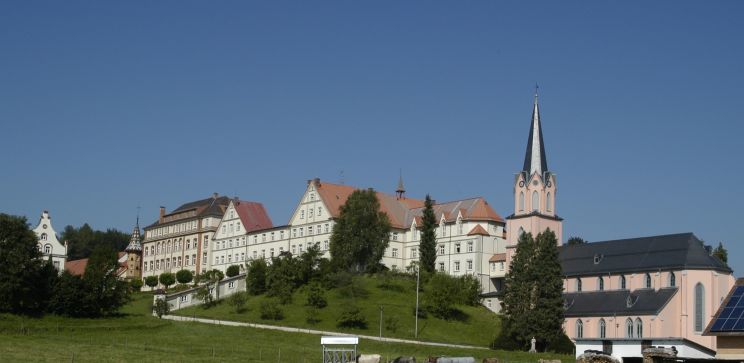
(105, 106)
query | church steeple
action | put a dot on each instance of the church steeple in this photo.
(401, 191)
(134, 241)
(535, 160)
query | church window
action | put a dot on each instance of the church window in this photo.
(647, 280)
(579, 329)
(43, 236)
(672, 279)
(48, 249)
(639, 328)
(521, 200)
(521, 231)
(549, 202)
(578, 285)
(622, 282)
(602, 328)
(535, 201)
(600, 283)
(699, 306)
(629, 328)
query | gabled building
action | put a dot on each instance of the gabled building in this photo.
(231, 241)
(48, 244)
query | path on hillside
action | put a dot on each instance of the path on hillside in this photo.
(311, 331)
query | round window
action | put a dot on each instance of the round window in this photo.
(44, 226)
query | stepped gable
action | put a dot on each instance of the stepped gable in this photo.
(681, 251)
(617, 302)
(253, 215)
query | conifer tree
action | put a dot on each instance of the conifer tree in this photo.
(428, 245)
(518, 298)
(547, 315)
(721, 253)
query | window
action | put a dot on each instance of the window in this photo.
(699, 307)
(301, 231)
(441, 249)
(395, 252)
(255, 254)
(222, 259)
(639, 328)
(622, 282)
(271, 252)
(548, 202)
(302, 214)
(231, 285)
(535, 201)
(48, 249)
(300, 247)
(628, 328)
(327, 229)
(578, 285)
(395, 236)
(441, 266)
(272, 236)
(672, 279)
(242, 256)
(310, 213)
(255, 239)
(310, 231)
(602, 328)
(281, 234)
(459, 226)
(457, 266)
(579, 329)
(470, 265)
(184, 298)
(204, 259)
(320, 210)
(600, 283)
(648, 280)
(263, 237)
(237, 226)
(294, 249)
(325, 245)
(43, 236)
(501, 265)
(229, 258)
(470, 246)
(521, 200)
(457, 248)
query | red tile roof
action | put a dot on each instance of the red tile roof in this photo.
(478, 230)
(253, 215)
(76, 267)
(499, 257)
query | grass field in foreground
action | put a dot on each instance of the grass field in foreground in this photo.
(475, 326)
(136, 336)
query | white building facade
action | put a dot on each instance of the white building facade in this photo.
(48, 244)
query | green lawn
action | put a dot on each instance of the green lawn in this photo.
(476, 326)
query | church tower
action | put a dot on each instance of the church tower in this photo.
(134, 255)
(534, 191)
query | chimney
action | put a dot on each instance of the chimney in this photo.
(162, 214)
(215, 195)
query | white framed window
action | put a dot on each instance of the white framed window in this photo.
(320, 211)
(441, 249)
(395, 252)
(263, 237)
(639, 328)
(470, 246)
(327, 228)
(579, 328)
(184, 298)
(470, 265)
(325, 245)
(302, 214)
(300, 247)
(441, 266)
(395, 236)
(231, 285)
(457, 266)
(457, 248)
(629, 328)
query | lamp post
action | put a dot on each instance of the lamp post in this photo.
(380, 322)
(415, 332)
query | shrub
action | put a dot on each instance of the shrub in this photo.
(232, 271)
(468, 290)
(151, 281)
(440, 295)
(135, 284)
(562, 344)
(422, 313)
(391, 323)
(205, 296)
(238, 301)
(351, 317)
(256, 279)
(270, 310)
(184, 276)
(315, 296)
(167, 279)
(161, 308)
(311, 315)
(180, 287)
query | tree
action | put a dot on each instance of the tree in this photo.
(238, 301)
(547, 314)
(70, 297)
(721, 253)
(184, 276)
(205, 295)
(440, 295)
(106, 289)
(428, 245)
(518, 299)
(282, 278)
(161, 308)
(256, 278)
(315, 296)
(151, 281)
(233, 270)
(166, 279)
(575, 241)
(135, 284)
(361, 233)
(25, 280)
(351, 317)
(82, 241)
(310, 263)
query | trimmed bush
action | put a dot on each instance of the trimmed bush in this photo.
(151, 281)
(232, 271)
(184, 276)
(135, 284)
(167, 279)
(161, 308)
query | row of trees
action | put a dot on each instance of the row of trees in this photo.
(30, 285)
(82, 241)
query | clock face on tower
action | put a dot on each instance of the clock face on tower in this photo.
(534, 182)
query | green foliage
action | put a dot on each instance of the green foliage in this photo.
(315, 296)
(311, 315)
(205, 295)
(135, 284)
(211, 277)
(561, 344)
(469, 290)
(166, 279)
(351, 317)
(281, 278)
(392, 323)
(361, 233)
(238, 301)
(310, 264)
(180, 287)
(232, 271)
(441, 295)
(161, 307)
(70, 297)
(428, 245)
(25, 280)
(533, 303)
(151, 281)
(575, 241)
(721, 253)
(270, 310)
(82, 241)
(256, 279)
(184, 276)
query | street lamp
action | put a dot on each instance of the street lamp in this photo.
(415, 332)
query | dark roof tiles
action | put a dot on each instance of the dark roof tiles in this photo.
(617, 302)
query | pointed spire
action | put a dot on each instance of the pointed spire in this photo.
(401, 190)
(534, 158)
(134, 242)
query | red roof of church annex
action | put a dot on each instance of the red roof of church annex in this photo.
(253, 215)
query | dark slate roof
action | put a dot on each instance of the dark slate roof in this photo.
(643, 254)
(213, 206)
(528, 153)
(615, 302)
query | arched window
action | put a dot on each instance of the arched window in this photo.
(699, 306)
(639, 328)
(579, 329)
(43, 236)
(672, 279)
(602, 328)
(535, 201)
(622, 282)
(600, 283)
(549, 202)
(521, 200)
(629, 328)
(578, 284)
(48, 249)
(648, 280)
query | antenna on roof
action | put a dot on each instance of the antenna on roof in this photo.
(138, 211)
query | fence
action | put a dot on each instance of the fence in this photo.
(186, 298)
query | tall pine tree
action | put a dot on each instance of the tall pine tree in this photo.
(428, 245)
(547, 315)
(517, 301)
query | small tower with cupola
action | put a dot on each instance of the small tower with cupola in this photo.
(134, 254)
(534, 191)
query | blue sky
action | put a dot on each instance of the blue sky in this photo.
(105, 106)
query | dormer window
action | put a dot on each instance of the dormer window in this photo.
(597, 258)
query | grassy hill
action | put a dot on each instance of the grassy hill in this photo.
(475, 325)
(137, 336)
